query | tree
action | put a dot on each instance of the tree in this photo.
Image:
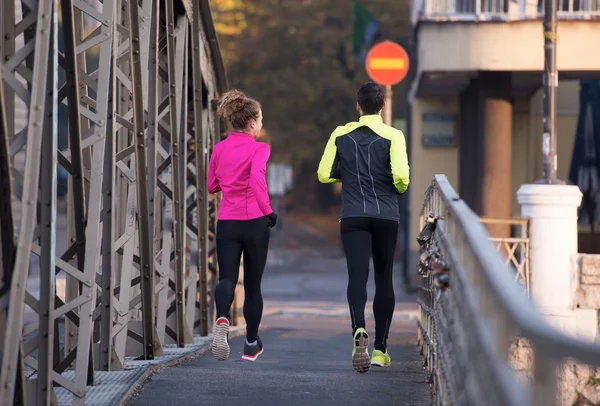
(294, 57)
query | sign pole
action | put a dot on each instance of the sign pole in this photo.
(387, 119)
(550, 84)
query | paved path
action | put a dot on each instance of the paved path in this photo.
(306, 362)
(306, 333)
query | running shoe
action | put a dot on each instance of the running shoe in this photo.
(380, 358)
(360, 351)
(220, 343)
(252, 351)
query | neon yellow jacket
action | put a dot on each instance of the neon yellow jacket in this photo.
(370, 159)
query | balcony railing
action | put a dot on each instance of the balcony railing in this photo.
(514, 249)
(500, 10)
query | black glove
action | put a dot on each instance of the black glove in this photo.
(272, 220)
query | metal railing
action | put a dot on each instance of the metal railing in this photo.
(482, 10)
(471, 311)
(514, 249)
(132, 86)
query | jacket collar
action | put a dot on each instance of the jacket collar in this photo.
(370, 118)
(241, 135)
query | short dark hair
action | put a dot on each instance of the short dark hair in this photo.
(371, 97)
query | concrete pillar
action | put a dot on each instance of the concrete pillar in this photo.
(552, 210)
(469, 184)
(496, 148)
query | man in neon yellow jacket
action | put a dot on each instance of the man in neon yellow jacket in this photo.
(370, 159)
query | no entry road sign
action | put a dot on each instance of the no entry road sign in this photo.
(387, 63)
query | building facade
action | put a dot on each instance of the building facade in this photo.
(476, 99)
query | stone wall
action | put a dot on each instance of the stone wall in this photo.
(582, 383)
(587, 294)
(579, 383)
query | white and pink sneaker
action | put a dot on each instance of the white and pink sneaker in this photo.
(220, 343)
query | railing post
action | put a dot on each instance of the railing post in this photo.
(552, 214)
(552, 210)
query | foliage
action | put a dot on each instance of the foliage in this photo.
(593, 381)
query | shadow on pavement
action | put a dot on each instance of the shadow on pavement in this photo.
(309, 364)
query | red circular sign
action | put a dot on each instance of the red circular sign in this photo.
(387, 63)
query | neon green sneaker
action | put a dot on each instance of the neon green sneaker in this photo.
(360, 351)
(380, 358)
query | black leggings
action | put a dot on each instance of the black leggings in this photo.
(361, 237)
(234, 237)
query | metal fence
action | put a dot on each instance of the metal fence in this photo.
(471, 311)
(514, 248)
(132, 270)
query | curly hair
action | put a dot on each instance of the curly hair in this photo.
(238, 109)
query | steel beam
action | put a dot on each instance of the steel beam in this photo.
(47, 223)
(106, 360)
(75, 165)
(93, 238)
(7, 15)
(7, 233)
(176, 181)
(164, 203)
(13, 338)
(146, 260)
(201, 161)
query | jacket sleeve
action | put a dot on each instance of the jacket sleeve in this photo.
(258, 183)
(399, 161)
(212, 182)
(328, 167)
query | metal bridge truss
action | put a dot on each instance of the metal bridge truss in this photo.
(139, 259)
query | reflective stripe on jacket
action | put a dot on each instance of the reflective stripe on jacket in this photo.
(370, 159)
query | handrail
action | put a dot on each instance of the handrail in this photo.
(502, 220)
(501, 311)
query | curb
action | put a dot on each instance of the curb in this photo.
(276, 312)
(234, 332)
(403, 315)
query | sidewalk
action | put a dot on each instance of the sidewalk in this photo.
(115, 387)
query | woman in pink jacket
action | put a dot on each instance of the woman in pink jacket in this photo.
(237, 169)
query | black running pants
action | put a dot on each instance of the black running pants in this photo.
(363, 237)
(234, 237)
